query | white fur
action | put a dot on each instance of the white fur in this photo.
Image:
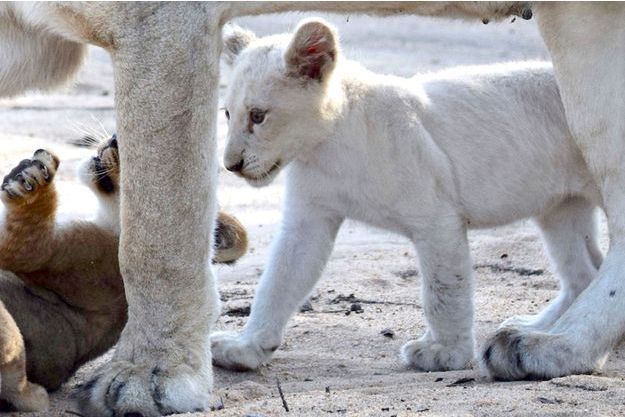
(585, 42)
(107, 212)
(37, 49)
(427, 158)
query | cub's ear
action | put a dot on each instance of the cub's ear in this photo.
(312, 52)
(235, 39)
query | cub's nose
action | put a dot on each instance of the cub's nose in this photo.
(236, 167)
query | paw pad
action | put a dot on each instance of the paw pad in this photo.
(29, 175)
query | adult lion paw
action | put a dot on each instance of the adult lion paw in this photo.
(516, 353)
(123, 389)
(232, 351)
(429, 355)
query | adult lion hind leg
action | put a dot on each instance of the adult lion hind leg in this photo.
(15, 387)
(33, 58)
(590, 77)
(570, 236)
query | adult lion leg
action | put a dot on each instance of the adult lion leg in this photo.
(166, 80)
(32, 58)
(589, 65)
(570, 236)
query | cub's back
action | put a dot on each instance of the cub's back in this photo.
(504, 131)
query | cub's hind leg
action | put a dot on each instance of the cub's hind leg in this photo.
(14, 387)
(447, 293)
(569, 233)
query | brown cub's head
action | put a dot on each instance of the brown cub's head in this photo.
(101, 172)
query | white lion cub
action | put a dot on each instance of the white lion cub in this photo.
(426, 157)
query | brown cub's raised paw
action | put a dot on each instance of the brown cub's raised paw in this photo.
(230, 239)
(29, 177)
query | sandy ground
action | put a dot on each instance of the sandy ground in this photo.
(333, 361)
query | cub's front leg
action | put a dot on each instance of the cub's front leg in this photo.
(297, 259)
(447, 292)
(30, 198)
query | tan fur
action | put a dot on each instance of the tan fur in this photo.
(61, 283)
(231, 239)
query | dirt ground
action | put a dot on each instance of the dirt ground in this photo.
(335, 361)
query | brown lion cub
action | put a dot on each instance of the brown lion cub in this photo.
(62, 295)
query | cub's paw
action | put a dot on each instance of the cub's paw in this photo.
(429, 355)
(230, 239)
(513, 354)
(232, 351)
(25, 182)
(125, 389)
(32, 398)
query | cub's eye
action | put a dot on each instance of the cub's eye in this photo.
(227, 114)
(257, 116)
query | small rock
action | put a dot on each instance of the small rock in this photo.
(238, 311)
(461, 381)
(343, 298)
(218, 406)
(408, 273)
(307, 306)
(545, 400)
(356, 308)
(387, 333)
